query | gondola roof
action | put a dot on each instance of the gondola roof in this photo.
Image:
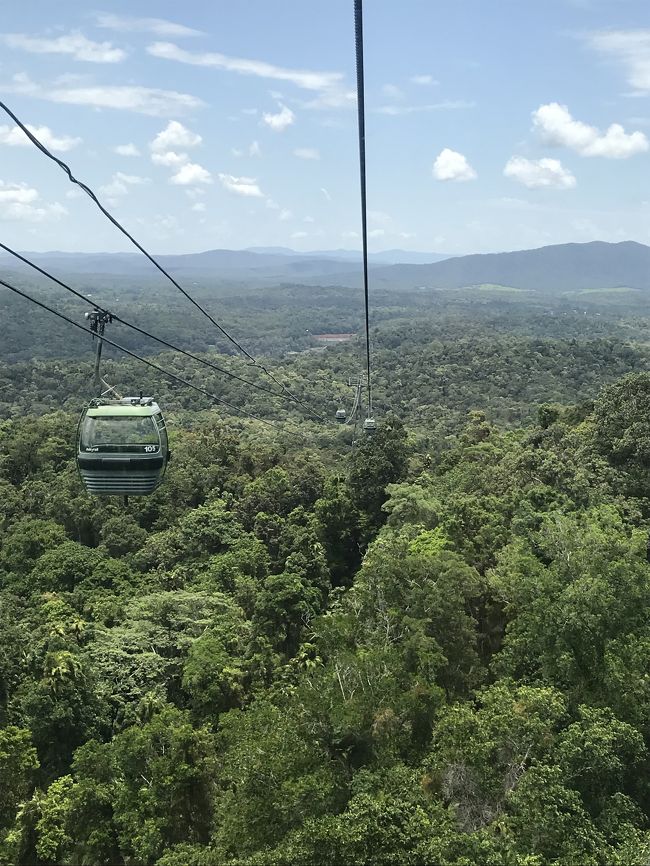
(120, 409)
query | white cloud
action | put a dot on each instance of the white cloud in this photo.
(513, 203)
(21, 83)
(142, 100)
(280, 121)
(445, 105)
(17, 192)
(243, 186)
(451, 165)
(424, 80)
(298, 235)
(272, 205)
(285, 215)
(254, 149)
(127, 150)
(379, 217)
(556, 126)
(199, 207)
(236, 151)
(309, 219)
(120, 183)
(20, 202)
(190, 174)
(392, 91)
(157, 26)
(28, 213)
(75, 44)
(306, 153)
(328, 85)
(376, 233)
(161, 226)
(539, 173)
(631, 48)
(163, 152)
(170, 159)
(335, 98)
(173, 136)
(15, 137)
(326, 193)
(306, 79)
(350, 235)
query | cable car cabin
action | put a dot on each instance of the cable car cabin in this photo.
(369, 426)
(341, 415)
(122, 447)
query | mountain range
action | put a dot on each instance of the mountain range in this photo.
(550, 269)
(558, 268)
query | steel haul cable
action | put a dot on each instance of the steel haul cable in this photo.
(66, 168)
(358, 31)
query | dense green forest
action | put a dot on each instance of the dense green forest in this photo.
(438, 354)
(429, 647)
(277, 319)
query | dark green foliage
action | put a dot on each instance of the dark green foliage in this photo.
(376, 462)
(428, 648)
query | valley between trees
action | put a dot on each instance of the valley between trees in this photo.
(431, 647)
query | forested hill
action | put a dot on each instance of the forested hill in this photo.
(560, 268)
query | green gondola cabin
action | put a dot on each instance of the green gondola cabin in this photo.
(122, 447)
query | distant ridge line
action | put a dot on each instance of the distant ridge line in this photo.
(550, 269)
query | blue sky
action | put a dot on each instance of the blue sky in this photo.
(491, 124)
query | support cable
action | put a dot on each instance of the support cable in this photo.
(160, 369)
(66, 168)
(358, 31)
(139, 330)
